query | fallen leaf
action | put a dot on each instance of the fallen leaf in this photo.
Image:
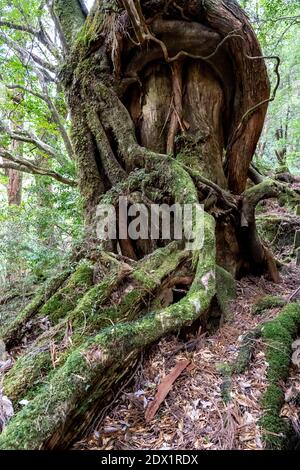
(164, 388)
(6, 410)
(23, 402)
(296, 358)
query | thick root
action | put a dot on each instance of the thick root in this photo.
(102, 357)
(279, 335)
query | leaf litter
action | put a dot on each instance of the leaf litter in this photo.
(193, 414)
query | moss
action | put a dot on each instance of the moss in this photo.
(150, 272)
(109, 303)
(282, 169)
(267, 302)
(276, 429)
(278, 335)
(225, 371)
(277, 230)
(97, 310)
(28, 371)
(67, 297)
(226, 289)
(31, 369)
(11, 331)
(246, 350)
(268, 226)
(90, 370)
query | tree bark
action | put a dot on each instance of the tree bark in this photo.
(158, 98)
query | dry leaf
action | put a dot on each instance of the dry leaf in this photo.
(164, 388)
(6, 410)
(296, 358)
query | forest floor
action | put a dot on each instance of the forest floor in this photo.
(194, 414)
(203, 410)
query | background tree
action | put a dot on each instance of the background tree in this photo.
(34, 141)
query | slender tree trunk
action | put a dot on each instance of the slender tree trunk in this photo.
(15, 177)
(14, 187)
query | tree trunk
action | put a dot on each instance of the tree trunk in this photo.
(15, 178)
(167, 105)
(14, 187)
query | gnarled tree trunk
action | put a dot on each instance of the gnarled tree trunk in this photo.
(167, 101)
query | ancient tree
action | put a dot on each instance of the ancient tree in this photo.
(167, 100)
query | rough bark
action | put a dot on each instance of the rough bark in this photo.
(157, 97)
(14, 187)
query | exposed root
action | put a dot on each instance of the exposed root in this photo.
(279, 335)
(99, 350)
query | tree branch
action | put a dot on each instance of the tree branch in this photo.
(27, 55)
(55, 115)
(18, 27)
(20, 164)
(30, 138)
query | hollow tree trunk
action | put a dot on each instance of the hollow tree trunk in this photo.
(159, 95)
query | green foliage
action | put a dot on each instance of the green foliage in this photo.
(267, 302)
(36, 236)
(277, 25)
(278, 334)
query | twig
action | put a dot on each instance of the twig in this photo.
(293, 294)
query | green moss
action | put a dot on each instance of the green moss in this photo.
(28, 371)
(268, 226)
(278, 334)
(267, 302)
(282, 169)
(11, 331)
(67, 298)
(246, 350)
(109, 303)
(226, 289)
(93, 367)
(225, 371)
(276, 429)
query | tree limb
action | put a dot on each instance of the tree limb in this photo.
(28, 137)
(55, 115)
(19, 27)
(26, 166)
(40, 34)
(27, 55)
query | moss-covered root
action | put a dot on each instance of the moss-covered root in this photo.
(66, 298)
(117, 298)
(226, 290)
(266, 303)
(246, 351)
(87, 378)
(13, 333)
(278, 334)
